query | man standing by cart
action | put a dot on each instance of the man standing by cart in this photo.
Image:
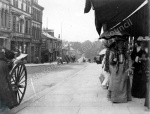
(7, 96)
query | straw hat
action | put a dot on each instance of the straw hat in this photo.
(140, 38)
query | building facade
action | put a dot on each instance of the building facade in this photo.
(21, 26)
(37, 13)
(51, 45)
(56, 44)
(5, 28)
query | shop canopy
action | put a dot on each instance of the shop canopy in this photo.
(111, 12)
(112, 34)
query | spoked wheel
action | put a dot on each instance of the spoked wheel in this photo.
(18, 77)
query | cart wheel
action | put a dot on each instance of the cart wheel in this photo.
(19, 81)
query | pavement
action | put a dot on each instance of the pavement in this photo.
(81, 93)
(41, 64)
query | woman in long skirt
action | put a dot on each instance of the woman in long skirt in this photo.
(140, 56)
(118, 84)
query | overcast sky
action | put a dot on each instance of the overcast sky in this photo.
(69, 15)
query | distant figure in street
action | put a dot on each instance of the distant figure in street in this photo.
(94, 59)
(37, 60)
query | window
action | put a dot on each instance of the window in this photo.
(17, 24)
(26, 27)
(6, 13)
(17, 3)
(22, 5)
(14, 2)
(14, 23)
(33, 30)
(21, 26)
(2, 16)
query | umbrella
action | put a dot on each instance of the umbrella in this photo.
(102, 52)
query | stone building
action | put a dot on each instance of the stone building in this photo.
(37, 13)
(5, 27)
(21, 11)
(50, 45)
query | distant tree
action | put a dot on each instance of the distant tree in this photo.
(88, 48)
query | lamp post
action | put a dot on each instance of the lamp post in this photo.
(148, 84)
(147, 100)
(61, 41)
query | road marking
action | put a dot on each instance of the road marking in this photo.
(33, 87)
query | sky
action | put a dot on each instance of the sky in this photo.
(67, 18)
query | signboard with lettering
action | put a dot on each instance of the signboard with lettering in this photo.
(36, 41)
(4, 35)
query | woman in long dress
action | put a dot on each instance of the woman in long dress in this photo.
(118, 84)
(140, 56)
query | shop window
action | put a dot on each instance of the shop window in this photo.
(13, 45)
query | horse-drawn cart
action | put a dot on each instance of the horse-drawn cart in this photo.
(18, 77)
(13, 81)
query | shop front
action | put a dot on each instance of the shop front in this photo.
(35, 51)
(131, 17)
(22, 45)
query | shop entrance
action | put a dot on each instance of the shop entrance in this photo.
(32, 54)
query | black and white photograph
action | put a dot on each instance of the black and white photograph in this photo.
(74, 56)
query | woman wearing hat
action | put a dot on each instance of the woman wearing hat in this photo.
(140, 57)
(118, 91)
(109, 45)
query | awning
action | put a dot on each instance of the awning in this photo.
(112, 34)
(46, 35)
(139, 23)
(111, 12)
